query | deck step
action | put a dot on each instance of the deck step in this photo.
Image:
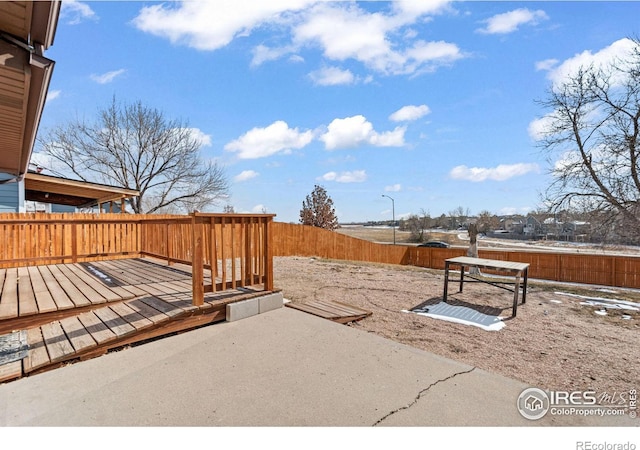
(332, 310)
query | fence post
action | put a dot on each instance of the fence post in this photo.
(268, 255)
(196, 261)
(74, 242)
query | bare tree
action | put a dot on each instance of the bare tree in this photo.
(137, 147)
(592, 141)
(416, 225)
(487, 221)
(318, 211)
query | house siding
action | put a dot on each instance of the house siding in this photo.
(9, 194)
(62, 208)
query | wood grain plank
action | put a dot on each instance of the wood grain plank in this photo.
(108, 293)
(58, 345)
(44, 299)
(133, 317)
(113, 270)
(80, 338)
(147, 311)
(58, 294)
(26, 298)
(37, 355)
(98, 330)
(115, 323)
(163, 306)
(93, 295)
(9, 297)
(10, 371)
(75, 295)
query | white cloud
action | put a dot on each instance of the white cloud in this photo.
(410, 112)
(617, 51)
(209, 25)
(348, 32)
(201, 137)
(107, 77)
(274, 139)
(259, 209)
(74, 12)
(510, 21)
(52, 95)
(245, 175)
(547, 64)
(499, 173)
(357, 130)
(393, 188)
(356, 176)
(332, 76)
(342, 30)
(262, 54)
(538, 127)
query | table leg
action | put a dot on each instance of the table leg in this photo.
(524, 286)
(461, 277)
(446, 281)
(515, 295)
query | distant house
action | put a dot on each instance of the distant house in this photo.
(533, 227)
(576, 230)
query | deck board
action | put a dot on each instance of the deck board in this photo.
(114, 322)
(70, 289)
(9, 297)
(37, 355)
(58, 345)
(94, 296)
(109, 294)
(98, 330)
(44, 299)
(10, 371)
(59, 295)
(139, 306)
(133, 317)
(80, 338)
(26, 298)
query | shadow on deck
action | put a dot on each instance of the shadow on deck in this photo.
(61, 313)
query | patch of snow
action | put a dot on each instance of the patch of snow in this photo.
(605, 302)
(555, 301)
(100, 274)
(602, 312)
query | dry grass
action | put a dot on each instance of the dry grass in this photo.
(553, 343)
(402, 237)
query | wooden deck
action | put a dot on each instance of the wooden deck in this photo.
(79, 311)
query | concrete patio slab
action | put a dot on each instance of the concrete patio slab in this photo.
(280, 368)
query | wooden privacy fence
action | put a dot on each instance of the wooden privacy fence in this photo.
(235, 247)
(606, 270)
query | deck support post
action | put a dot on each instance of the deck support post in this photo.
(196, 261)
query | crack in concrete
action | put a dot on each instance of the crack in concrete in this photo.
(420, 394)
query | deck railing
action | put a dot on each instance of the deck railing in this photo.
(235, 248)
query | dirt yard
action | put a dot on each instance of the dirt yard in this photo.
(553, 343)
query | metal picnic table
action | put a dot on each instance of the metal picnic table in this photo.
(519, 270)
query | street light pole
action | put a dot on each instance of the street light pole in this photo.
(393, 212)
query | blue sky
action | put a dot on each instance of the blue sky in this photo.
(432, 103)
